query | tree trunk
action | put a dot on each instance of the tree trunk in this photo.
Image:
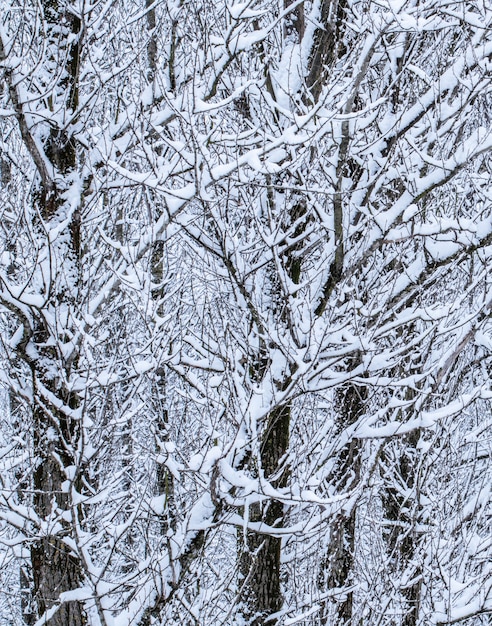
(164, 478)
(336, 567)
(400, 507)
(55, 568)
(260, 557)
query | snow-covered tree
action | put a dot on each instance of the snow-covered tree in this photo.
(245, 309)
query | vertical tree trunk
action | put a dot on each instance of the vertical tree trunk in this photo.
(260, 558)
(327, 45)
(336, 567)
(260, 561)
(400, 507)
(55, 568)
(164, 478)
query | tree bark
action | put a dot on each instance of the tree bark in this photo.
(401, 511)
(327, 45)
(55, 568)
(164, 478)
(260, 560)
(260, 557)
(336, 567)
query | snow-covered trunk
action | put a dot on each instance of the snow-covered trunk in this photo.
(337, 564)
(260, 553)
(55, 568)
(261, 559)
(401, 511)
(56, 440)
(327, 44)
(160, 415)
(400, 465)
(260, 562)
(164, 478)
(55, 406)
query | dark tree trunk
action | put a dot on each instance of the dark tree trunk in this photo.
(260, 560)
(400, 506)
(327, 45)
(55, 568)
(260, 557)
(336, 567)
(164, 478)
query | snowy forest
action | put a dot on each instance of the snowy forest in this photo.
(245, 312)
